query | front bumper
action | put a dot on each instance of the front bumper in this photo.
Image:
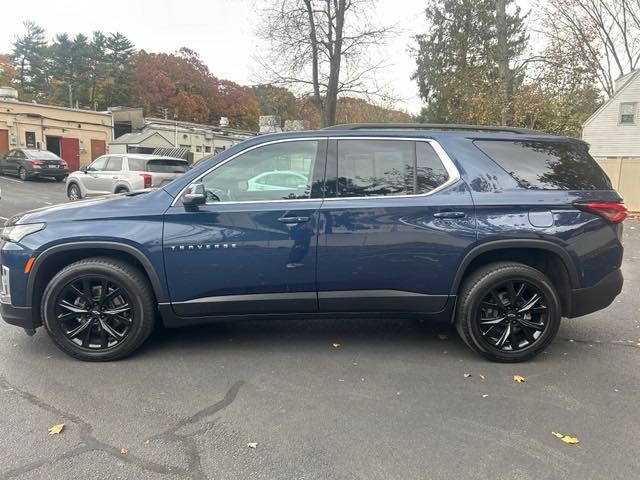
(597, 297)
(18, 316)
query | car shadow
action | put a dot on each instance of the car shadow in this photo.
(303, 334)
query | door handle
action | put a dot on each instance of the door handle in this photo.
(292, 220)
(450, 215)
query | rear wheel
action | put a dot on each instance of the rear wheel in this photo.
(98, 309)
(73, 192)
(508, 312)
(122, 190)
(22, 173)
(60, 179)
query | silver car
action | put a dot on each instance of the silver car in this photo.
(122, 173)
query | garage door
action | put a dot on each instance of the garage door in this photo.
(4, 141)
(70, 152)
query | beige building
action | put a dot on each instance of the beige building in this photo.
(135, 133)
(613, 134)
(78, 136)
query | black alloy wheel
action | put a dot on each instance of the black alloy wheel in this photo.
(513, 315)
(507, 311)
(99, 309)
(94, 313)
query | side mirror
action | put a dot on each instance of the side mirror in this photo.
(83, 169)
(195, 195)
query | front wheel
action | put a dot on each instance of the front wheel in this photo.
(73, 192)
(508, 312)
(98, 309)
(22, 173)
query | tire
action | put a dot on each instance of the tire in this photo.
(90, 332)
(22, 173)
(73, 192)
(121, 190)
(498, 314)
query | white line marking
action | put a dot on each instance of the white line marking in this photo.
(4, 218)
(12, 180)
(47, 203)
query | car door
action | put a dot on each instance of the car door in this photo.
(248, 251)
(109, 176)
(4, 162)
(14, 161)
(395, 224)
(93, 177)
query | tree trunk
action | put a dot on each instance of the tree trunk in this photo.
(331, 102)
(504, 72)
(313, 39)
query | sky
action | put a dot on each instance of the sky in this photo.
(222, 31)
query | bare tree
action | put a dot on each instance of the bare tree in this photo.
(605, 33)
(321, 48)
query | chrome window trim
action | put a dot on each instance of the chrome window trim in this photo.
(449, 166)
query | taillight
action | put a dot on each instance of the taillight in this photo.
(147, 179)
(64, 164)
(34, 162)
(614, 212)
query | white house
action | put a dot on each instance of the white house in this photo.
(613, 133)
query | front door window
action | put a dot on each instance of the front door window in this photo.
(280, 171)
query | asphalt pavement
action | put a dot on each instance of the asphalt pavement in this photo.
(339, 399)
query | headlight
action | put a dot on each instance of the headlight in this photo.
(15, 233)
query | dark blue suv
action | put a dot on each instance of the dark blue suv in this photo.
(499, 231)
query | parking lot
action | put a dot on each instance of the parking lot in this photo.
(366, 399)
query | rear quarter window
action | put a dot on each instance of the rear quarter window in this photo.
(167, 166)
(547, 165)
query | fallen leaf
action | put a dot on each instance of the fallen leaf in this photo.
(252, 445)
(485, 395)
(519, 379)
(482, 376)
(335, 345)
(566, 438)
(124, 451)
(467, 375)
(147, 442)
(56, 429)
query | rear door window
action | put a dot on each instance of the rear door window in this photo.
(540, 165)
(163, 165)
(387, 168)
(114, 164)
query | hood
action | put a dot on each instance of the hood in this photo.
(144, 203)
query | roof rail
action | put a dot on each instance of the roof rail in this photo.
(433, 126)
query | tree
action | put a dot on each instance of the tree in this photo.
(274, 100)
(71, 70)
(29, 58)
(7, 72)
(472, 51)
(604, 34)
(319, 47)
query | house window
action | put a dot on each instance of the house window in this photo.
(207, 149)
(628, 113)
(198, 149)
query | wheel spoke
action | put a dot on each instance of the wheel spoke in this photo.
(499, 304)
(103, 289)
(118, 336)
(531, 303)
(505, 335)
(530, 325)
(83, 326)
(117, 311)
(492, 321)
(111, 295)
(86, 288)
(87, 335)
(80, 294)
(72, 308)
(123, 319)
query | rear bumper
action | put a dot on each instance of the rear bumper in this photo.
(48, 172)
(18, 316)
(597, 297)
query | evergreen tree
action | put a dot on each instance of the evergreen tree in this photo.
(459, 59)
(29, 56)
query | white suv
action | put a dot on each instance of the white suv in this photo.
(122, 173)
